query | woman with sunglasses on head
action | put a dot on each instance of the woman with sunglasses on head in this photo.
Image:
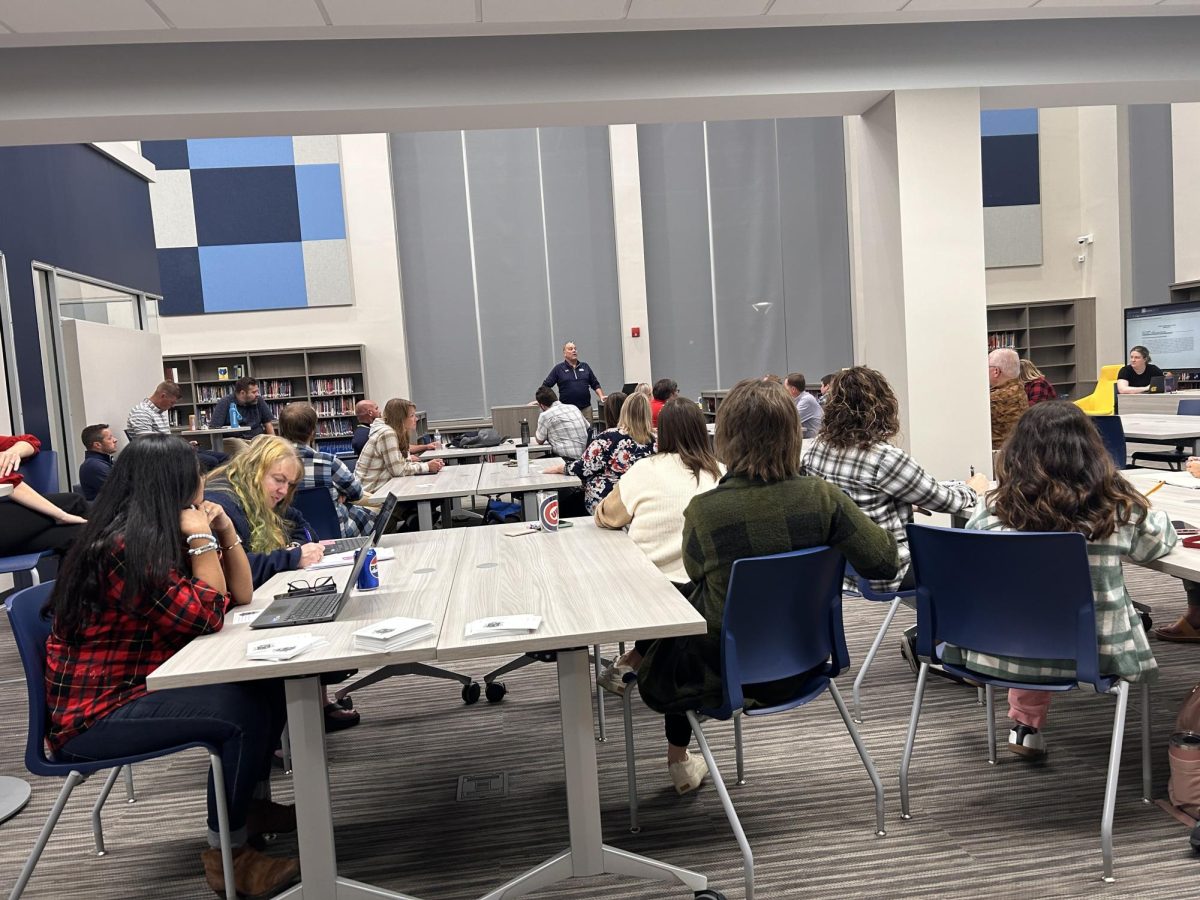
(155, 567)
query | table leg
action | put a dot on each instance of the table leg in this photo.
(14, 794)
(529, 502)
(1196, 447)
(588, 855)
(424, 515)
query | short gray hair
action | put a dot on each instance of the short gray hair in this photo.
(1007, 361)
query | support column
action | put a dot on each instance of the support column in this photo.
(631, 250)
(1185, 164)
(920, 293)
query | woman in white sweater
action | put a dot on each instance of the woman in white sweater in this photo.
(650, 499)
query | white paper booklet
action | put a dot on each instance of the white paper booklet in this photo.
(282, 647)
(1181, 479)
(504, 625)
(391, 634)
(334, 560)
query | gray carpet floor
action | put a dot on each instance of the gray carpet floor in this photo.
(1012, 830)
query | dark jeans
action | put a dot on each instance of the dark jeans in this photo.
(679, 730)
(210, 459)
(243, 721)
(1192, 588)
(24, 531)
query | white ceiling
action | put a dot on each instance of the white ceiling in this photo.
(48, 22)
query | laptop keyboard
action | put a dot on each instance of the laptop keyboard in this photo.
(345, 545)
(314, 607)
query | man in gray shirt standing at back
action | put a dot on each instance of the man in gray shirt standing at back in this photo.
(806, 405)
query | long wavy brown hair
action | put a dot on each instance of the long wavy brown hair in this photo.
(758, 432)
(860, 410)
(681, 429)
(1055, 475)
(395, 413)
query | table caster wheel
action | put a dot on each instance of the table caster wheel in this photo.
(495, 692)
(470, 693)
(346, 702)
(709, 894)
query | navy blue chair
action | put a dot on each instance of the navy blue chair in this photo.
(317, 507)
(30, 629)
(41, 474)
(895, 598)
(1014, 594)
(1112, 433)
(783, 618)
(1176, 458)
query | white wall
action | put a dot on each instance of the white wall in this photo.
(1185, 162)
(375, 320)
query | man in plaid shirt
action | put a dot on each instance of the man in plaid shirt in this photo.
(298, 424)
(561, 426)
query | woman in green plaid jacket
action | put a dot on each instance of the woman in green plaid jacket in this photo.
(1055, 475)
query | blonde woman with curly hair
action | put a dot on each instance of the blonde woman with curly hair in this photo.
(255, 489)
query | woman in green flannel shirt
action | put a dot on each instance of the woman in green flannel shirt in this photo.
(1055, 475)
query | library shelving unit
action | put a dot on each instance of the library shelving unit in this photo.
(332, 379)
(1058, 336)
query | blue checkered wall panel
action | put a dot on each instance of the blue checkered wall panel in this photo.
(249, 224)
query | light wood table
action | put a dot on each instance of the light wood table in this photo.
(449, 484)
(453, 454)
(613, 593)
(501, 478)
(214, 434)
(417, 583)
(1160, 429)
(1181, 504)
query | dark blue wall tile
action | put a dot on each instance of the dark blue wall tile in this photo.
(246, 206)
(183, 293)
(166, 154)
(1010, 170)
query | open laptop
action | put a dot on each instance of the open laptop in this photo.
(309, 605)
(345, 545)
(629, 388)
(1158, 385)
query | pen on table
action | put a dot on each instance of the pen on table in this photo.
(1153, 489)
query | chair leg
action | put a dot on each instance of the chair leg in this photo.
(990, 694)
(285, 745)
(630, 761)
(737, 748)
(918, 695)
(1147, 759)
(601, 736)
(218, 774)
(870, 657)
(97, 828)
(74, 779)
(864, 756)
(727, 805)
(979, 697)
(1110, 787)
(130, 794)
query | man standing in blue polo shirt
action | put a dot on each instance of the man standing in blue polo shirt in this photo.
(574, 381)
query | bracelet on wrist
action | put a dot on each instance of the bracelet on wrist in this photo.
(235, 543)
(203, 548)
(201, 535)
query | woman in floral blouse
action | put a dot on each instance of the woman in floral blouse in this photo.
(611, 454)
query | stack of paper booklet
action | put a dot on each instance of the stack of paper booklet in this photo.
(282, 647)
(392, 634)
(504, 625)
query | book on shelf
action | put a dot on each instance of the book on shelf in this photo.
(342, 384)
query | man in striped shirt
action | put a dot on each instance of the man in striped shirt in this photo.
(150, 417)
(560, 425)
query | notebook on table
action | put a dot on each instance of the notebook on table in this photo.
(345, 545)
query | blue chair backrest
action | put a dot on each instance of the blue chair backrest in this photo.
(1112, 433)
(316, 506)
(41, 472)
(1188, 408)
(1023, 594)
(30, 630)
(783, 617)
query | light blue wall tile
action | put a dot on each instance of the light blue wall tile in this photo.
(231, 153)
(253, 276)
(994, 122)
(319, 191)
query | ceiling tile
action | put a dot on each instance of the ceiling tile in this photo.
(43, 16)
(833, 7)
(400, 12)
(240, 14)
(552, 10)
(973, 6)
(695, 9)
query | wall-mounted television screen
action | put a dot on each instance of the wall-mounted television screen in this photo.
(1170, 331)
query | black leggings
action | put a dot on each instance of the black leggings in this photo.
(24, 531)
(1192, 588)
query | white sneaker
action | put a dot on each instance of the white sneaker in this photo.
(1027, 742)
(688, 774)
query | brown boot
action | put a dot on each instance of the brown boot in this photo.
(256, 876)
(268, 817)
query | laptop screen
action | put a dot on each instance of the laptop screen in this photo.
(381, 520)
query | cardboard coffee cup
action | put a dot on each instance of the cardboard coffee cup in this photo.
(548, 510)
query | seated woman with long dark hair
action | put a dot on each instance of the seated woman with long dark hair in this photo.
(155, 567)
(762, 506)
(1054, 474)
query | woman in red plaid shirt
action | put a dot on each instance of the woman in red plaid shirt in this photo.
(1037, 388)
(155, 567)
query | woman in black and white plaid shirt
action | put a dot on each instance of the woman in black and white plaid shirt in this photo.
(853, 451)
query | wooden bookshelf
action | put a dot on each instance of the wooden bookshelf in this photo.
(1059, 336)
(332, 379)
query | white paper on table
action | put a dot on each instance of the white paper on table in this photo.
(1180, 479)
(282, 647)
(336, 560)
(504, 625)
(389, 629)
(245, 615)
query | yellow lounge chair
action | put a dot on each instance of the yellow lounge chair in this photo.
(1100, 402)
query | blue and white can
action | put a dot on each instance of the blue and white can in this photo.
(368, 575)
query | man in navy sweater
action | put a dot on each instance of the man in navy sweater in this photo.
(574, 381)
(100, 445)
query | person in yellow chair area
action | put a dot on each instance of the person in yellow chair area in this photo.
(1135, 377)
(1187, 629)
